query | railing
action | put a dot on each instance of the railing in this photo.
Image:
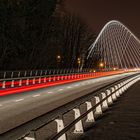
(32, 80)
(102, 98)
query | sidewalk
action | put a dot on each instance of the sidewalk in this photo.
(121, 121)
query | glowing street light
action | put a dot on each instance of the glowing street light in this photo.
(101, 64)
(78, 60)
(58, 58)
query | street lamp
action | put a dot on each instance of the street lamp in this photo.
(78, 61)
(101, 64)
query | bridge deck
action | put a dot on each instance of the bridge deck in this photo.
(121, 121)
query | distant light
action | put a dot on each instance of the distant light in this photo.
(101, 64)
(114, 68)
(58, 57)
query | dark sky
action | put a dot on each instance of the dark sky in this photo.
(97, 12)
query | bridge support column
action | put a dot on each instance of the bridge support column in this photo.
(114, 94)
(31, 136)
(60, 126)
(78, 125)
(104, 104)
(109, 100)
(90, 116)
(98, 109)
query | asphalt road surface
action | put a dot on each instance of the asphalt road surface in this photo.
(20, 108)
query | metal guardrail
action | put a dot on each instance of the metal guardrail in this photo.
(25, 81)
(103, 98)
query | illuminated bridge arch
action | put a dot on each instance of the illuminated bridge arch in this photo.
(115, 47)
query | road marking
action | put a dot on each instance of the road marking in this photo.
(69, 87)
(19, 100)
(49, 92)
(36, 95)
(77, 85)
(28, 138)
(60, 89)
(0, 105)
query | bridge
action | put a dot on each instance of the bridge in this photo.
(61, 103)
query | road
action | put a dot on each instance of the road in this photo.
(20, 108)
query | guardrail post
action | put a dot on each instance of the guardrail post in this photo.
(90, 116)
(12, 83)
(60, 126)
(78, 125)
(20, 82)
(33, 80)
(104, 104)
(31, 136)
(117, 91)
(109, 99)
(122, 85)
(3, 84)
(44, 79)
(98, 109)
(27, 81)
(39, 80)
(120, 90)
(114, 94)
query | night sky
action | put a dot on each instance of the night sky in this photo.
(97, 12)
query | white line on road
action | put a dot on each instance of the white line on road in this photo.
(19, 100)
(69, 87)
(0, 105)
(60, 89)
(49, 92)
(36, 95)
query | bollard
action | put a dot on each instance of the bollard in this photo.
(104, 104)
(109, 100)
(98, 109)
(114, 94)
(78, 125)
(31, 136)
(90, 116)
(60, 126)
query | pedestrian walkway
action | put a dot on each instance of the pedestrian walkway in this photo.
(121, 121)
